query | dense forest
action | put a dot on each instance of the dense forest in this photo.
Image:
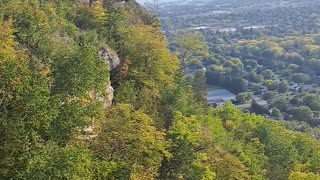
(266, 53)
(59, 119)
(285, 76)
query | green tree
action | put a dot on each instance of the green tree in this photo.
(129, 139)
(271, 85)
(283, 87)
(258, 109)
(199, 87)
(179, 98)
(282, 155)
(93, 17)
(185, 135)
(30, 21)
(269, 95)
(294, 58)
(312, 101)
(190, 47)
(268, 74)
(227, 166)
(26, 109)
(238, 85)
(314, 64)
(150, 60)
(70, 162)
(293, 68)
(80, 80)
(303, 176)
(153, 69)
(271, 54)
(302, 113)
(254, 77)
(244, 97)
(281, 104)
(276, 112)
(300, 78)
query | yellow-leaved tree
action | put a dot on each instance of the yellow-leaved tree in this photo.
(24, 102)
(129, 140)
(152, 68)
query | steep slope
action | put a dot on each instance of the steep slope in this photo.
(53, 83)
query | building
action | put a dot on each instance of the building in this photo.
(295, 88)
(219, 97)
(217, 103)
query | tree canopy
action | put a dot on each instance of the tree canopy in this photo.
(53, 84)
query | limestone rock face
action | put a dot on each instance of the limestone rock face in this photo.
(110, 57)
(109, 97)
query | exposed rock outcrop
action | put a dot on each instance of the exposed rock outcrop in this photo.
(110, 57)
(109, 97)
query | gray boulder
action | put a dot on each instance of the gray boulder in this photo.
(110, 57)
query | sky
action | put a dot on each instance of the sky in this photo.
(143, 1)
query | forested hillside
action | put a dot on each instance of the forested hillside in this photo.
(58, 61)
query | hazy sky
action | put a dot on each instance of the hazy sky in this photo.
(143, 1)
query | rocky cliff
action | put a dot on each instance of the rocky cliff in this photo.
(111, 58)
